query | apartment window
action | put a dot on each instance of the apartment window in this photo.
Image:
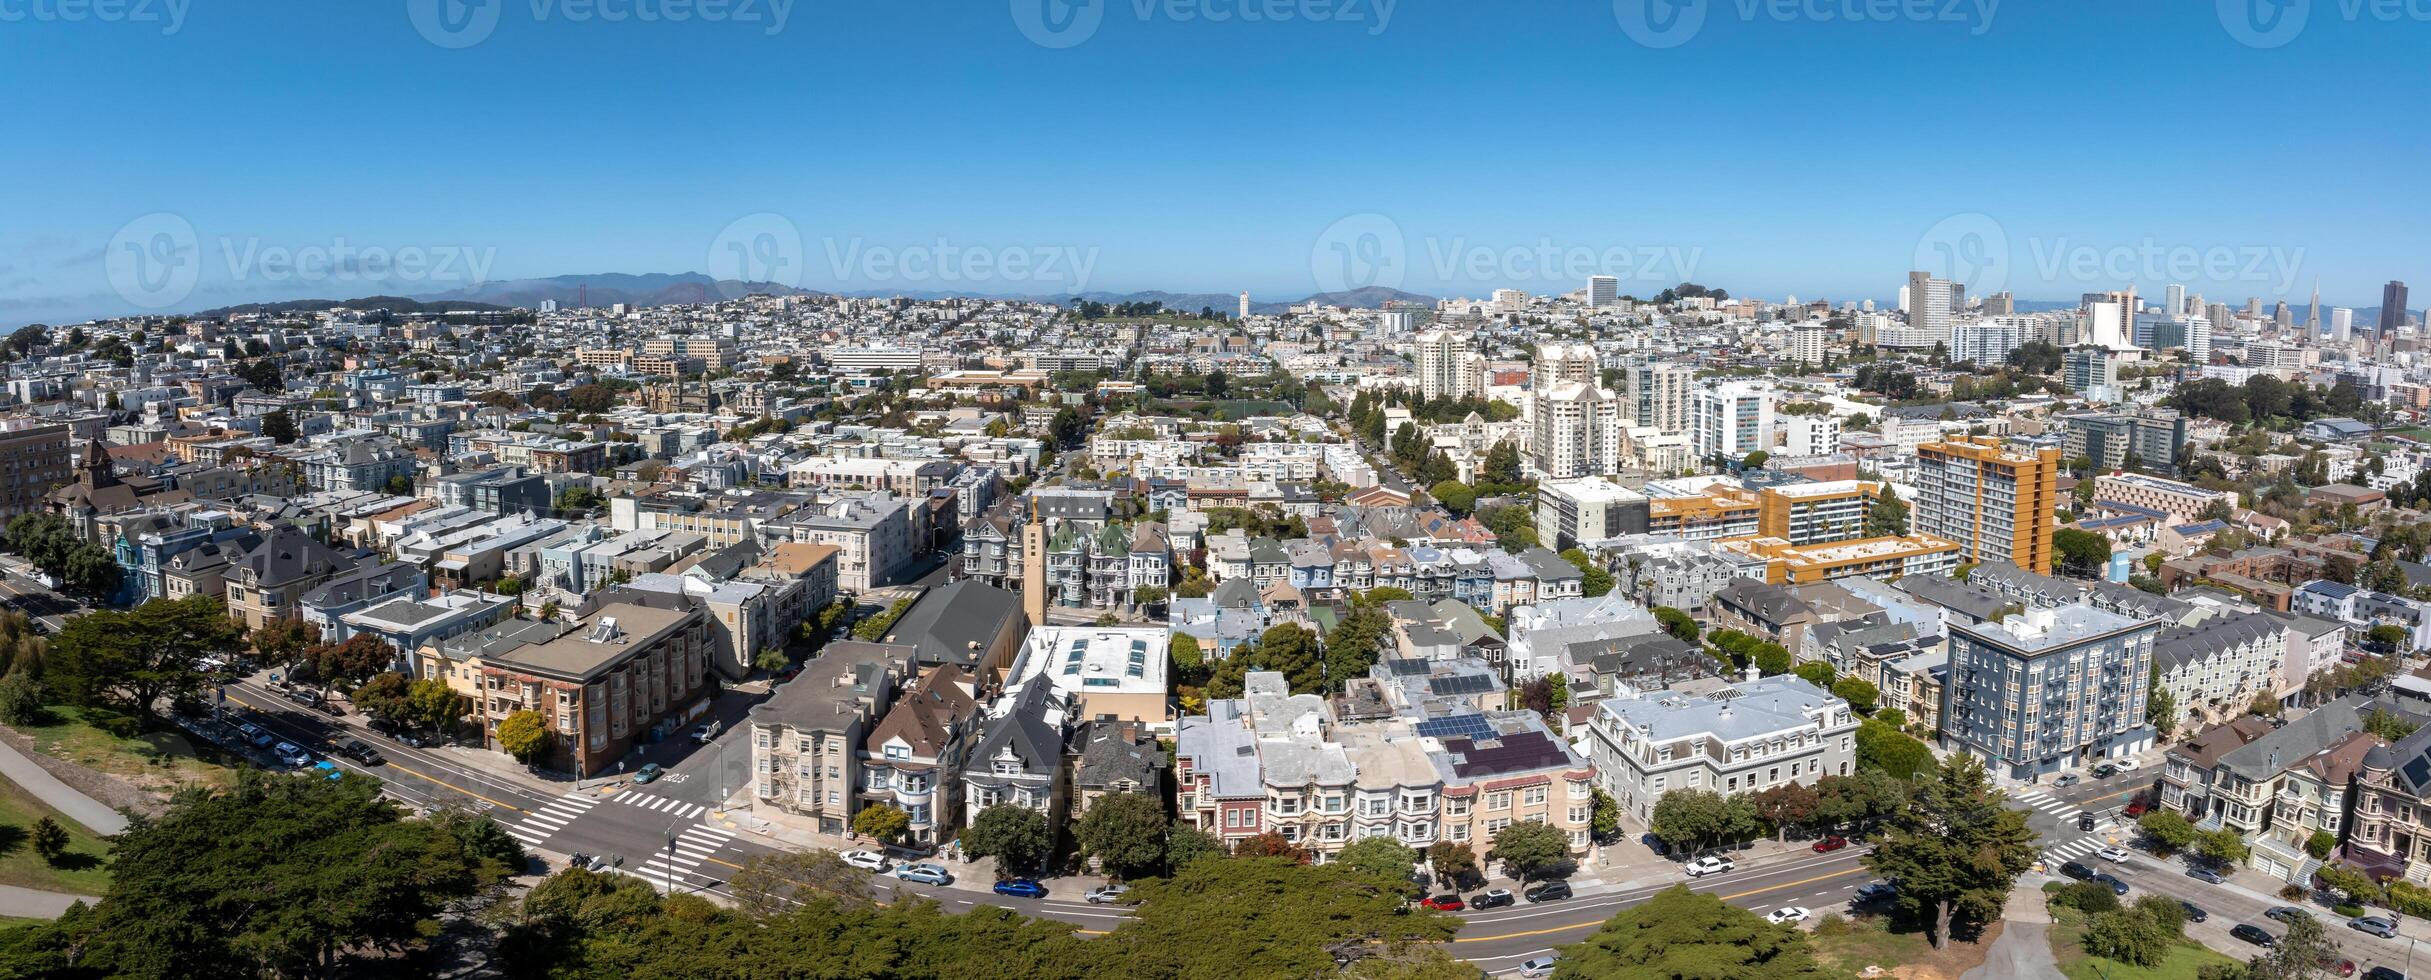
(1456, 806)
(1496, 825)
(1534, 796)
(898, 752)
(1499, 800)
(1460, 831)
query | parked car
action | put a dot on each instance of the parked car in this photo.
(1107, 894)
(1021, 888)
(923, 874)
(327, 770)
(1707, 865)
(2194, 912)
(2283, 913)
(1492, 898)
(1788, 914)
(865, 860)
(649, 773)
(1830, 844)
(359, 751)
(292, 754)
(1553, 891)
(255, 736)
(303, 695)
(2116, 886)
(384, 727)
(2205, 875)
(2126, 764)
(2105, 771)
(706, 732)
(2254, 934)
(2113, 854)
(1875, 891)
(1444, 903)
(1536, 969)
(2137, 807)
(2066, 780)
(2374, 925)
(2078, 871)
(2384, 973)
(2337, 967)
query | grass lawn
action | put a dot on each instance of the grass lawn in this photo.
(82, 870)
(1852, 944)
(2067, 929)
(158, 761)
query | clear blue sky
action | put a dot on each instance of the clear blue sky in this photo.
(1769, 154)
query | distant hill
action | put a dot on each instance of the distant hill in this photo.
(607, 288)
(1226, 303)
(394, 304)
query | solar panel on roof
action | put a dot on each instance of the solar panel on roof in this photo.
(1461, 684)
(1405, 668)
(1456, 726)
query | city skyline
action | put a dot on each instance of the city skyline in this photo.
(562, 143)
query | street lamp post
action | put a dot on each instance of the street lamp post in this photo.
(670, 862)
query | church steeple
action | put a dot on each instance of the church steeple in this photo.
(93, 465)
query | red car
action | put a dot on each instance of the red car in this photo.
(2137, 807)
(1830, 844)
(2344, 968)
(1444, 903)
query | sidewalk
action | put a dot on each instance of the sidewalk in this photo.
(28, 903)
(60, 796)
(787, 832)
(2024, 946)
(1629, 863)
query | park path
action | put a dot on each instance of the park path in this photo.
(60, 796)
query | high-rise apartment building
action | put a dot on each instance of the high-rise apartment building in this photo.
(2000, 304)
(1446, 366)
(1931, 301)
(2087, 368)
(1603, 291)
(2392, 308)
(1988, 341)
(1654, 394)
(1811, 342)
(1730, 419)
(2050, 688)
(1997, 504)
(2173, 300)
(2342, 325)
(1577, 422)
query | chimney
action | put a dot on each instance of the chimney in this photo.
(1752, 673)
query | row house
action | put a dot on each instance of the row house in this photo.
(808, 739)
(1742, 738)
(2214, 669)
(912, 758)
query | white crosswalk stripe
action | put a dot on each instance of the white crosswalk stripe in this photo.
(543, 821)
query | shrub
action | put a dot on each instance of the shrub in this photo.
(2294, 893)
(2348, 911)
(1831, 924)
(2089, 897)
(116, 723)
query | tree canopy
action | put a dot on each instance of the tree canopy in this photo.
(1680, 933)
(1955, 850)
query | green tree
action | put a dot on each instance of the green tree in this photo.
(1680, 625)
(2223, 847)
(283, 641)
(280, 427)
(1016, 836)
(1269, 918)
(2320, 844)
(434, 705)
(2167, 829)
(779, 881)
(524, 735)
(1529, 848)
(50, 840)
(1125, 832)
(1816, 672)
(1382, 857)
(875, 628)
(2083, 554)
(1607, 819)
(138, 659)
(1189, 662)
(1786, 806)
(1680, 933)
(1455, 496)
(1859, 693)
(186, 894)
(1690, 819)
(21, 696)
(1452, 860)
(385, 697)
(1594, 580)
(1185, 843)
(1888, 515)
(2141, 935)
(352, 661)
(883, 822)
(1884, 748)
(2160, 707)
(1956, 850)
(1773, 660)
(2348, 881)
(2298, 956)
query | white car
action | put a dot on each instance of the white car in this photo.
(1788, 914)
(1708, 865)
(1537, 968)
(865, 860)
(2126, 765)
(1104, 894)
(2115, 855)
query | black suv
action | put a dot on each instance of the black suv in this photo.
(1549, 891)
(2077, 871)
(359, 752)
(2194, 912)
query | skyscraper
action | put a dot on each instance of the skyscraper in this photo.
(2342, 325)
(2312, 319)
(1446, 367)
(1654, 394)
(1730, 419)
(2173, 300)
(2392, 308)
(1930, 302)
(1245, 306)
(1603, 291)
(1577, 422)
(1997, 504)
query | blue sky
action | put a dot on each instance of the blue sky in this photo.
(1444, 148)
